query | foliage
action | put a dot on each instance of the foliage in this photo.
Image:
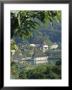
(24, 22)
(58, 63)
(14, 70)
(13, 45)
(43, 71)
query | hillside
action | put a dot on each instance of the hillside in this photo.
(48, 35)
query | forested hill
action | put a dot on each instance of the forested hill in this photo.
(49, 35)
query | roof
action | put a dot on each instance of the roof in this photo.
(33, 45)
(38, 53)
(45, 45)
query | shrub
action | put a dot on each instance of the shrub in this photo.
(44, 71)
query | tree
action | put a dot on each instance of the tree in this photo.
(23, 23)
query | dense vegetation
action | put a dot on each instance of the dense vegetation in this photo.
(23, 23)
(42, 71)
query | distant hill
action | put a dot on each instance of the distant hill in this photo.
(48, 35)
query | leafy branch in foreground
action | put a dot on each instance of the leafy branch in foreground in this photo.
(23, 23)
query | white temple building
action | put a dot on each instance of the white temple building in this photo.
(54, 46)
(45, 48)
